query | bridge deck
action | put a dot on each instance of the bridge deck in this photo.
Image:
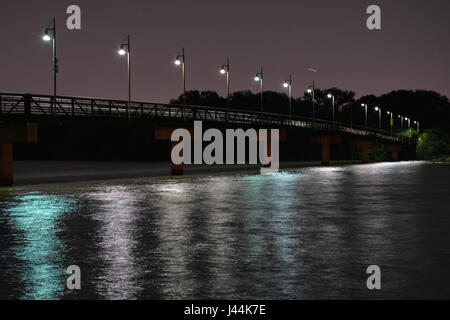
(45, 105)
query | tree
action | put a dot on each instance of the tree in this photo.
(433, 144)
(428, 107)
(204, 98)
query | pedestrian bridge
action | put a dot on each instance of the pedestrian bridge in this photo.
(34, 106)
(21, 114)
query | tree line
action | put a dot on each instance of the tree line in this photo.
(430, 108)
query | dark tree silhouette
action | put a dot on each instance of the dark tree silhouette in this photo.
(203, 98)
(428, 107)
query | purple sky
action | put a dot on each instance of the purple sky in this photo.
(412, 51)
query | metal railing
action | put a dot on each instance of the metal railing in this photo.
(45, 105)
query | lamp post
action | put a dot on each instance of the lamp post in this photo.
(122, 52)
(391, 122)
(401, 122)
(379, 116)
(288, 84)
(47, 37)
(409, 122)
(311, 90)
(259, 76)
(351, 116)
(417, 123)
(365, 106)
(181, 60)
(225, 69)
(330, 96)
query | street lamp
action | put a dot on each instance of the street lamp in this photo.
(259, 77)
(379, 116)
(391, 123)
(47, 37)
(365, 106)
(311, 90)
(401, 122)
(181, 60)
(288, 85)
(417, 123)
(330, 96)
(409, 122)
(123, 52)
(225, 69)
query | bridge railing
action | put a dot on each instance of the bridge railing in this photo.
(45, 105)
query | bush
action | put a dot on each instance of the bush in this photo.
(433, 144)
(408, 133)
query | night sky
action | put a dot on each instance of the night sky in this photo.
(412, 51)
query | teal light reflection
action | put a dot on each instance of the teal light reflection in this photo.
(37, 248)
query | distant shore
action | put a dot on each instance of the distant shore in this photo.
(46, 172)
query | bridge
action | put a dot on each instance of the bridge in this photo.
(19, 111)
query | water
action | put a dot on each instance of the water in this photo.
(308, 233)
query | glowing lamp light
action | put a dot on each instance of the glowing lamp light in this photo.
(329, 96)
(122, 51)
(309, 90)
(376, 108)
(286, 85)
(257, 78)
(177, 62)
(46, 37)
(223, 71)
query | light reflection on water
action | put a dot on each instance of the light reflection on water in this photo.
(306, 233)
(36, 247)
(115, 213)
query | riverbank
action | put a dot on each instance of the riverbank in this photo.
(45, 172)
(443, 159)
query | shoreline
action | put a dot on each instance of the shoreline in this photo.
(28, 173)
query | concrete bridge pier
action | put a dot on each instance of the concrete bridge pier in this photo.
(177, 169)
(365, 145)
(165, 134)
(10, 134)
(325, 141)
(6, 164)
(394, 150)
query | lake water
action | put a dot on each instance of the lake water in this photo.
(308, 233)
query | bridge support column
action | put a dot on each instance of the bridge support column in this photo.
(177, 169)
(325, 141)
(10, 134)
(6, 164)
(165, 134)
(394, 150)
(325, 154)
(394, 155)
(365, 146)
